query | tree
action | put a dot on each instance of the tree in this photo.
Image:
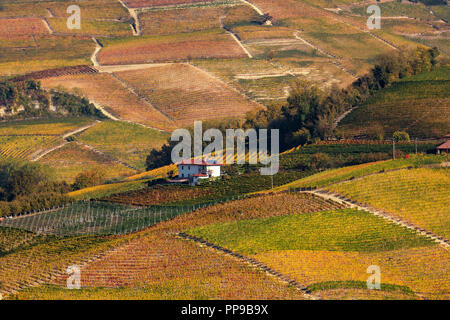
(89, 178)
(400, 136)
(20, 178)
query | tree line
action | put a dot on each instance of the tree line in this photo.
(30, 186)
(25, 99)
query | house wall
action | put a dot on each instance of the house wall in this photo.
(215, 170)
(186, 170)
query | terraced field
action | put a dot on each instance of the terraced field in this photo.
(185, 93)
(147, 49)
(114, 97)
(73, 159)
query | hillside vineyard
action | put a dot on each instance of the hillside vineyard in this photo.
(224, 150)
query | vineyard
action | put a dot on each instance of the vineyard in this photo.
(25, 266)
(233, 186)
(162, 266)
(311, 231)
(106, 190)
(152, 3)
(137, 141)
(11, 239)
(146, 49)
(86, 218)
(24, 147)
(420, 196)
(332, 176)
(410, 105)
(111, 94)
(47, 127)
(22, 26)
(49, 52)
(185, 93)
(93, 28)
(73, 159)
(328, 230)
(183, 20)
(330, 248)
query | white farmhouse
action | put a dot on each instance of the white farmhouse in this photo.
(195, 170)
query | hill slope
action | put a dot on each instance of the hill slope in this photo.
(419, 105)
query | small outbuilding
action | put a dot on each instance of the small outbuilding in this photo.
(444, 148)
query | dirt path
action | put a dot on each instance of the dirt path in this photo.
(128, 67)
(98, 47)
(41, 153)
(80, 129)
(103, 110)
(47, 25)
(341, 117)
(385, 215)
(258, 10)
(133, 13)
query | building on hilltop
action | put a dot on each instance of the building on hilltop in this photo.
(193, 170)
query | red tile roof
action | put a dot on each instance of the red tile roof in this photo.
(444, 146)
(199, 163)
(200, 175)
